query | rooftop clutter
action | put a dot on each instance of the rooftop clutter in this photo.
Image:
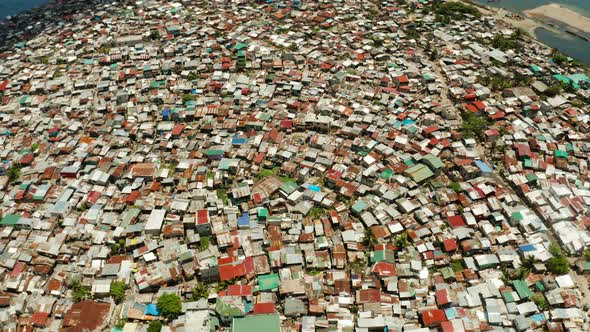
(331, 165)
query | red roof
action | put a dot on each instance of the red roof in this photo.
(39, 319)
(369, 295)
(3, 85)
(433, 317)
(177, 130)
(497, 115)
(403, 79)
(384, 269)
(235, 269)
(17, 269)
(442, 297)
(471, 108)
(202, 217)
(264, 308)
(479, 104)
(26, 159)
(450, 244)
(239, 290)
(259, 157)
(93, 196)
(132, 196)
(456, 221)
(286, 124)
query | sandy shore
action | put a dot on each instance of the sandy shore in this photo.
(517, 21)
(561, 14)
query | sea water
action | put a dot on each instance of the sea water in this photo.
(573, 46)
(13, 7)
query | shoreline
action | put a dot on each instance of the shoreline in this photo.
(516, 20)
(532, 25)
(562, 15)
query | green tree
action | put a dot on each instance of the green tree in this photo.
(155, 326)
(401, 241)
(528, 263)
(317, 212)
(13, 173)
(200, 292)
(204, 243)
(170, 306)
(188, 97)
(553, 90)
(540, 301)
(118, 291)
(455, 187)
(473, 125)
(557, 264)
(79, 292)
(558, 58)
(370, 240)
(154, 35)
(587, 254)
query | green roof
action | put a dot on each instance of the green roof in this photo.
(263, 212)
(419, 173)
(227, 310)
(382, 255)
(517, 216)
(522, 289)
(10, 220)
(214, 152)
(447, 272)
(257, 323)
(268, 282)
(433, 161)
(508, 296)
(387, 173)
(561, 154)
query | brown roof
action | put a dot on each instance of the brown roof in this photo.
(143, 170)
(85, 316)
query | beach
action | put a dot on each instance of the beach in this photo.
(516, 20)
(561, 14)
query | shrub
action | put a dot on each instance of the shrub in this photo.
(170, 306)
(155, 326)
(118, 291)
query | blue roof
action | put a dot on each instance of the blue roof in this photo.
(527, 247)
(152, 310)
(166, 112)
(538, 318)
(408, 122)
(313, 187)
(237, 140)
(483, 166)
(451, 313)
(244, 219)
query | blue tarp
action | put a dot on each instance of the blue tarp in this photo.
(152, 310)
(527, 247)
(538, 318)
(483, 166)
(315, 188)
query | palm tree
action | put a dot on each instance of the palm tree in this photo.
(528, 263)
